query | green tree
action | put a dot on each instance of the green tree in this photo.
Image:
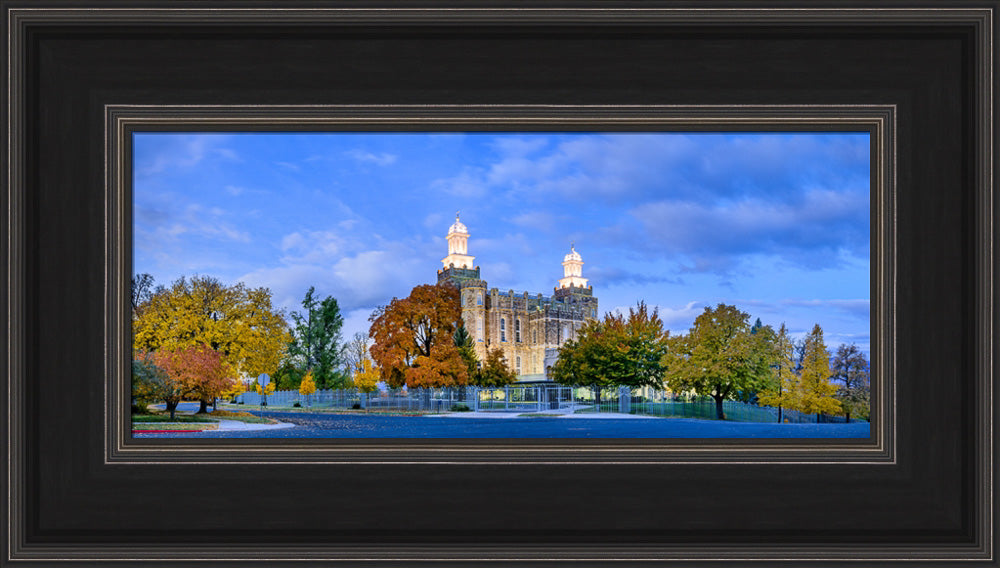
(288, 376)
(580, 360)
(495, 371)
(764, 347)
(316, 343)
(815, 392)
(463, 342)
(616, 351)
(149, 383)
(780, 392)
(718, 357)
(851, 368)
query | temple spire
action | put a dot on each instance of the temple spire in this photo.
(572, 270)
(458, 246)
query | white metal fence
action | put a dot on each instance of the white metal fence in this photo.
(533, 398)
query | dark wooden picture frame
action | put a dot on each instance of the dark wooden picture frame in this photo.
(80, 491)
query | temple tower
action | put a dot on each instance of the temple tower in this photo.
(572, 271)
(458, 247)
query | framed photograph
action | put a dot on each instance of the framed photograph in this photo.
(374, 247)
(629, 180)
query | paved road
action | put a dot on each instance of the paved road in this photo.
(374, 426)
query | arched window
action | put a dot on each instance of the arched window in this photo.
(503, 329)
(479, 299)
(479, 328)
(517, 330)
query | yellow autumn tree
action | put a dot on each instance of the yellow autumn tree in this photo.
(269, 389)
(307, 387)
(238, 322)
(814, 393)
(366, 377)
(784, 387)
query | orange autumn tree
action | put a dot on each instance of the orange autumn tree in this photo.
(413, 342)
(196, 371)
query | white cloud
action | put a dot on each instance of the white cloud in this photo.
(468, 184)
(163, 226)
(184, 152)
(382, 159)
(859, 308)
(434, 221)
(815, 230)
(636, 167)
(535, 220)
(356, 321)
(359, 281)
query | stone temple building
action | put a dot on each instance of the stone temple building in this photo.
(529, 328)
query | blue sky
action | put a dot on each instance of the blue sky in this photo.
(775, 223)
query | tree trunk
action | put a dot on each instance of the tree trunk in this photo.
(171, 407)
(719, 413)
(203, 408)
(847, 416)
(779, 415)
(597, 398)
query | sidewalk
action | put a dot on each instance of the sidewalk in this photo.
(225, 425)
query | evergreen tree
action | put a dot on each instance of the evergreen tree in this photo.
(815, 392)
(495, 371)
(781, 391)
(316, 345)
(463, 342)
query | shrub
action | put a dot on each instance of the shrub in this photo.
(356, 406)
(459, 408)
(297, 404)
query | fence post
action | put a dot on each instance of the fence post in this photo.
(506, 397)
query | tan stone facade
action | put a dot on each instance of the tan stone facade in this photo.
(529, 328)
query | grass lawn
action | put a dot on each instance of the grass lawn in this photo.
(241, 416)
